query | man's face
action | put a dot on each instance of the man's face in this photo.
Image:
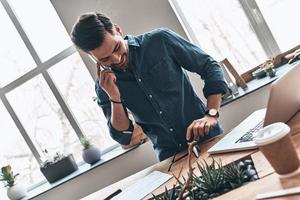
(113, 52)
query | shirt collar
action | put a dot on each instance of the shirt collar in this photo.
(132, 41)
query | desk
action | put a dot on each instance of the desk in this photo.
(269, 180)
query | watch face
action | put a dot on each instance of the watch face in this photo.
(212, 112)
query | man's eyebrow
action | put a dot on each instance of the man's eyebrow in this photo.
(117, 44)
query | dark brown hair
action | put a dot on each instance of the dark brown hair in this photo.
(89, 30)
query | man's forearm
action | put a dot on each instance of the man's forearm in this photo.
(214, 101)
(119, 118)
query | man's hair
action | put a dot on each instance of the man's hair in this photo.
(89, 30)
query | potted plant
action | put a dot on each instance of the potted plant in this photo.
(58, 167)
(90, 153)
(14, 191)
(268, 66)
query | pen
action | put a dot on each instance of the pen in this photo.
(113, 194)
(196, 150)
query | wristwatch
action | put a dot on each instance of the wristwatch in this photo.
(212, 112)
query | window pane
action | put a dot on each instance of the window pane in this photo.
(282, 17)
(15, 60)
(77, 87)
(223, 31)
(14, 151)
(42, 117)
(42, 26)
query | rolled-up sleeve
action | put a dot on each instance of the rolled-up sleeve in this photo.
(193, 59)
(122, 137)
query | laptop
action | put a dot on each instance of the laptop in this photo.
(283, 103)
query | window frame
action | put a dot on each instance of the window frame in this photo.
(40, 69)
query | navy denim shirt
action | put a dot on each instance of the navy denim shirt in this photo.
(157, 91)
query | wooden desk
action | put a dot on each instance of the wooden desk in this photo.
(269, 180)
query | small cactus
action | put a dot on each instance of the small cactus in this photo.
(85, 142)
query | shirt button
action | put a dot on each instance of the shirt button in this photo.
(140, 80)
(171, 129)
(160, 112)
(180, 145)
(150, 96)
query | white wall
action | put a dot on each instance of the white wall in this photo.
(135, 17)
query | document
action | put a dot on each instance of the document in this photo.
(143, 186)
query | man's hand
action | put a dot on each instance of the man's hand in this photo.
(200, 127)
(107, 81)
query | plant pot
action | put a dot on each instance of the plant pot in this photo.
(91, 155)
(16, 192)
(259, 73)
(271, 72)
(59, 169)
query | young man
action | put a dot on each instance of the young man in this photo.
(145, 74)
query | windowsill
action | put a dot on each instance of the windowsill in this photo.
(256, 84)
(115, 153)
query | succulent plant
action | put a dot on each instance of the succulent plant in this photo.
(234, 175)
(85, 142)
(57, 157)
(8, 176)
(167, 195)
(212, 177)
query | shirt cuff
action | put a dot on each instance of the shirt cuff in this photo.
(215, 87)
(122, 137)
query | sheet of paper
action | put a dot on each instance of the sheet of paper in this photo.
(143, 186)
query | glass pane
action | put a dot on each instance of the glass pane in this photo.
(77, 86)
(42, 117)
(14, 151)
(15, 60)
(223, 31)
(42, 25)
(282, 18)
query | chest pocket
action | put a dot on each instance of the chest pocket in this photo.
(164, 75)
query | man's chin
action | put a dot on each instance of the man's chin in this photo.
(120, 67)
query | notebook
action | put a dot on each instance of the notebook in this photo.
(283, 103)
(143, 186)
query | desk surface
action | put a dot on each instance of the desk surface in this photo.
(269, 180)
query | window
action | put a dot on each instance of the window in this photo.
(41, 26)
(222, 30)
(46, 91)
(247, 32)
(14, 151)
(282, 17)
(75, 84)
(42, 117)
(15, 59)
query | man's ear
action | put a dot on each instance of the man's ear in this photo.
(118, 29)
